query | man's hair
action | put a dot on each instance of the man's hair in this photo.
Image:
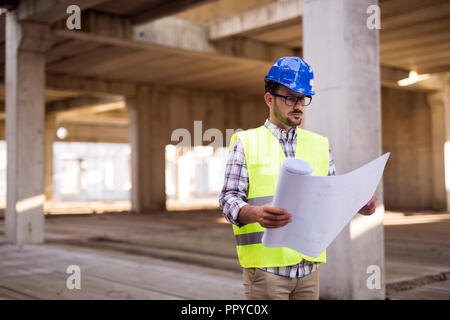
(271, 86)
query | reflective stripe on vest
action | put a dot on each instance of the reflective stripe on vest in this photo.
(249, 238)
(264, 155)
(259, 201)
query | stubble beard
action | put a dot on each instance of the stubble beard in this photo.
(285, 120)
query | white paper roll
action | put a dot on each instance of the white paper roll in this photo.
(321, 206)
(298, 166)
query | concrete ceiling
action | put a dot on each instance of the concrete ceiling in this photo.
(220, 9)
(415, 35)
(162, 65)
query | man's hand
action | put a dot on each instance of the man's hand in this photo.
(369, 208)
(267, 215)
(273, 217)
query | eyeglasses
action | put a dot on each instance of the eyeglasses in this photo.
(292, 101)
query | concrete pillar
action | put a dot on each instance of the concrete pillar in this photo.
(446, 105)
(438, 139)
(148, 114)
(50, 137)
(406, 118)
(25, 124)
(133, 132)
(344, 55)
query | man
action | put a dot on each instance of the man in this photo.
(250, 179)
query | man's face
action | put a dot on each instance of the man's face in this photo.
(280, 113)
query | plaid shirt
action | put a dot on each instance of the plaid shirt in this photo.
(235, 190)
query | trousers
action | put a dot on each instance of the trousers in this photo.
(263, 285)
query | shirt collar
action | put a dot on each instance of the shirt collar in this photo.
(280, 133)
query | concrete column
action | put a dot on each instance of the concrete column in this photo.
(50, 137)
(148, 138)
(25, 124)
(408, 185)
(344, 55)
(446, 105)
(438, 138)
(133, 128)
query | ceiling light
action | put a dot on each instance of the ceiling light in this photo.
(61, 133)
(413, 78)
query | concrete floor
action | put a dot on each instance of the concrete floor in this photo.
(191, 255)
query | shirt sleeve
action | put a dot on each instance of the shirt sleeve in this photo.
(235, 188)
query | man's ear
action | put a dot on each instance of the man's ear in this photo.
(268, 98)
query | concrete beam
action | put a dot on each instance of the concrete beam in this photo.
(87, 103)
(101, 23)
(171, 35)
(256, 19)
(94, 132)
(187, 35)
(219, 9)
(244, 49)
(404, 45)
(37, 37)
(411, 32)
(88, 86)
(117, 119)
(254, 49)
(165, 9)
(443, 68)
(434, 83)
(165, 51)
(411, 15)
(49, 11)
(390, 76)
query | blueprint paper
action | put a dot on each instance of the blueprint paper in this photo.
(320, 206)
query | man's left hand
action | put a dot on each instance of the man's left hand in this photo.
(369, 208)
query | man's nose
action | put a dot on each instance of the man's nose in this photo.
(299, 107)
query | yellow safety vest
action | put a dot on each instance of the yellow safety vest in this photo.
(264, 156)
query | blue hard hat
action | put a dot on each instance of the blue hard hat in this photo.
(294, 73)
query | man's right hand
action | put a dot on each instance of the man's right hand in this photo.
(267, 215)
(273, 217)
